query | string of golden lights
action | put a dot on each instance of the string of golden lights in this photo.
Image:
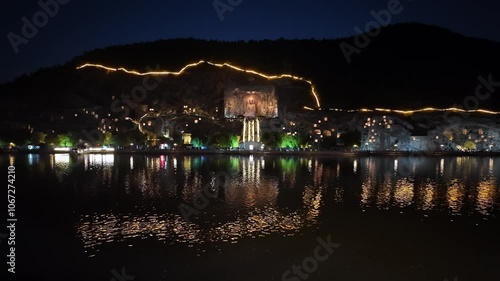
(432, 109)
(220, 65)
(283, 76)
(409, 112)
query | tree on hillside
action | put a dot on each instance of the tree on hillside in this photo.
(38, 138)
(470, 146)
(108, 138)
(65, 140)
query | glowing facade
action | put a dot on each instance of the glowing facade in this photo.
(260, 102)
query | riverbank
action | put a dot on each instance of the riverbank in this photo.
(264, 152)
(312, 153)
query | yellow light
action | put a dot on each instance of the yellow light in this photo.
(220, 65)
(244, 130)
(432, 109)
(487, 111)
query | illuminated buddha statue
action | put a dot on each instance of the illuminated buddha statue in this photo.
(250, 106)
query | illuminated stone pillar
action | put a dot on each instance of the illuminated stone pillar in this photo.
(244, 137)
(258, 130)
(251, 130)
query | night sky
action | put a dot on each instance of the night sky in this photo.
(81, 26)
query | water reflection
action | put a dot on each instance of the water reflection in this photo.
(448, 184)
(251, 197)
(427, 196)
(94, 230)
(264, 195)
(33, 159)
(258, 181)
(403, 193)
(60, 162)
(487, 192)
(455, 195)
(385, 191)
(105, 160)
(248, 190)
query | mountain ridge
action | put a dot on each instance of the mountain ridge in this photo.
(405, 66)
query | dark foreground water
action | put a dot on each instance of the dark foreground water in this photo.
(117, 217)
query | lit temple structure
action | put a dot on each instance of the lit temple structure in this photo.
(251, 104)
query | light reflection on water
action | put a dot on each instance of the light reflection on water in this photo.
(95, 230)
(456, 185)
(427, 196)
(33, 159)
(486, 193)
(265, 195)
(60, 162)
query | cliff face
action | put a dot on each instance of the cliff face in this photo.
(405, 66)
(203, 87)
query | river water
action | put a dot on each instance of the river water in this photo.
(222, 217)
